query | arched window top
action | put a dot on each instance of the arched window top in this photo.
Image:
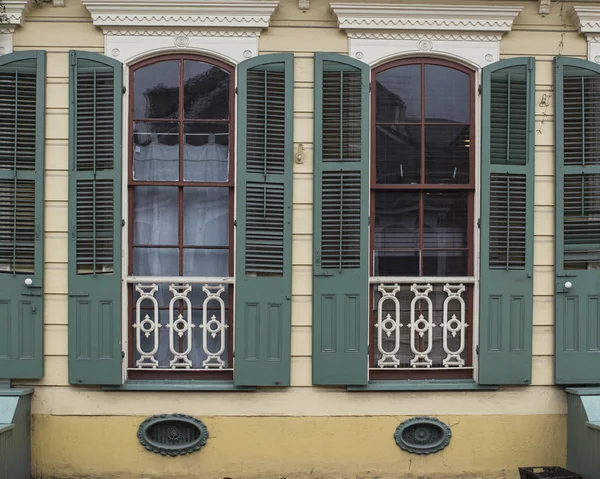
(185, 87)
(413, 90)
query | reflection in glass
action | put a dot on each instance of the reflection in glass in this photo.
(447, 154)
(445, 220)
(398, 154)
(156, 151)
(206, 152)
(396, 249)
(445, 263)
(206, 91)
(156, 90)
(399, 94)
(206, 216)
(155, 261)
(156, 217)
(205, 262)
(447, 95)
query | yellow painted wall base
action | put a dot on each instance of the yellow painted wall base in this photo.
(482, 447)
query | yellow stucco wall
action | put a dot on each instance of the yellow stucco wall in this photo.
(291, 432)
(491, 447)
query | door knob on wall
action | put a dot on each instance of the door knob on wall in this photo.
(568, 285)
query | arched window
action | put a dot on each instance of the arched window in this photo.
(181, 197)
(422, 217)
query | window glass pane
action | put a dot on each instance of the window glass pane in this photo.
(398, 154)
(205, 262)
(156, 90)
(447, 95)
(445, 220)
(155, 262)
(206, 152)
(206, 91)
(156, 151)
(396, 251)
(399, 94)
(445, 263)
(156, 215)
(206, 216)
(447, 154)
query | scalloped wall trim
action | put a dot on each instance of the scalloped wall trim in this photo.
(143, 32)
(15, 11)
(352, 16)
(429, 36)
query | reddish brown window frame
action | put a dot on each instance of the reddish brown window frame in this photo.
(423, 373)
(175, 374)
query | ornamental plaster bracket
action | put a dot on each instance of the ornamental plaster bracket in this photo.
(304, 5)
(587, 21)
(544, 8)
(226, 29)
(13, 17)
(378, 32)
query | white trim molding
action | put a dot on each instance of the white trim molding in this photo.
(228, 29)
(377, 32)
(13, 17)
(587, 21)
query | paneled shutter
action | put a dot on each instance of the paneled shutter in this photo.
(507, 182)
(341, 198)
(263, 285)
(95, 219)
(22, 134)
(577, 222)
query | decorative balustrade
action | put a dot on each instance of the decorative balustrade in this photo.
(181, 322)
(421, 322)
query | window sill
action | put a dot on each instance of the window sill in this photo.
(422, 385)
(15, 391)
(6, 427)
(165, 385)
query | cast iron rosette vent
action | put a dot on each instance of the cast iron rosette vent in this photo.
(423, 435)
(172, 434)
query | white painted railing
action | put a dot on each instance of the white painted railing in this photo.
(182, 349)
(421, 322)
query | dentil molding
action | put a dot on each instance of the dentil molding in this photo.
(587, 21)
(228, 29)
(377, 32)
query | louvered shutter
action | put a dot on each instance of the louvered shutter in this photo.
(507, 182)
(577, 222)
(95, 219)
(341, 198)
(263, 285)
(22, 133)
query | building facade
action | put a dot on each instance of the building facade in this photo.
(303, 223)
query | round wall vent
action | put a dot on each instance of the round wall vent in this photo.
(172, 434)
(422, 435)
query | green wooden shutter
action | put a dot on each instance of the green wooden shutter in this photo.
(341, 198)
(263, 285)
(95, 219)
(22, 135)
(577, 222)
(507, 182)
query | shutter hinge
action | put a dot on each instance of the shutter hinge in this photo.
(124, 89)
(480, 89)
(122, 354)
(368, 221)
(123, 222)
(478, 222)
(477, 349)
(236, 90)
(234, 222)
(370, 83)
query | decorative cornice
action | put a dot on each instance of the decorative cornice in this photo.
(362, 16)
(586, 19)
(544, 8)
(143, 32)
(15, 11)
(192, 14)
(449, 37)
